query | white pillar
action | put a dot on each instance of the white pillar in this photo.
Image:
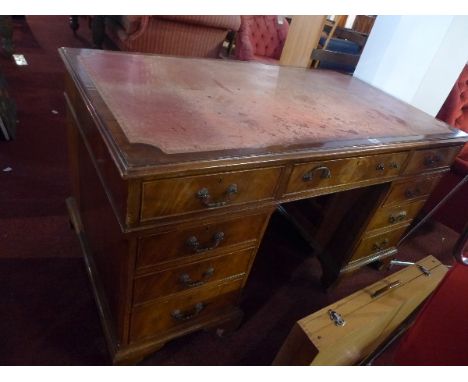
(415, 58)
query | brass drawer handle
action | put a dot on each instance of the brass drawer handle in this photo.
(380, 167)
(188, 315)
(412, 193)
(205, 197)
(188, 282)
(325, 173)
(399, 217)
(379, 246)
(380, 291)
(195, 245)
(432, 160)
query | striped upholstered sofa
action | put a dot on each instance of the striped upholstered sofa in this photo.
(194, 36)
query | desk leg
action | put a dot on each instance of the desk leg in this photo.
(357, 208)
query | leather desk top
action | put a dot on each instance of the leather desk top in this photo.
(180, 107)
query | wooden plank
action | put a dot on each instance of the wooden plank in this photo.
(297, 350)
(364, 23)
(352, 303)
(341, 21)
(303, 36)
(368, 321)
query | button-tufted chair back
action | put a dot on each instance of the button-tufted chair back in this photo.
(261, 38)
(455, 109)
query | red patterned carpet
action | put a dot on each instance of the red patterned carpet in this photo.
(48, 313)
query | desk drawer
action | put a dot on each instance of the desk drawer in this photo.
(175, 196)
(424, 160)
(411, 189)
(182, 311)
(392, 215)
(342, 171)
(372, 245)
(200, 241)
(233, 265)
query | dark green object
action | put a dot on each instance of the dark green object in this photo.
(7, 112)
(6, 35)
(7, 105)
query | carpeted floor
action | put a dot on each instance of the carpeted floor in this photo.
(47, 309)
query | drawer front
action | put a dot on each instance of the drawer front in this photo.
(200, 241)
(410, 190)
(386, 217)
(233, 265)
(175, 196)
(425, 160)
(342, 171)
(182, 311)
(372, 245)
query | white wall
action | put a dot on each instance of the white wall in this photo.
(415, 58)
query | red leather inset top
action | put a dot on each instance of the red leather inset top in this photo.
(185, 105)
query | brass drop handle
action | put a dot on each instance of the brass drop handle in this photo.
(380, 167)
(381, 245)
(205, 197)
(386, 288)
(196, 247)
(432, 160)
(412, 193)
(325, 173)
(188, 282)
(395, 218)
(185, 316)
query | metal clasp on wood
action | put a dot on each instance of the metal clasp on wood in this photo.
(422, 268)
(386, 288)
(336, 318)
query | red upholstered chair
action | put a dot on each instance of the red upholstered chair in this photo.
(261, 38)
(454, 111)
(439, 335)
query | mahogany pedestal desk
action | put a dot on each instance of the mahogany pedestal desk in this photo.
(178, 163)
